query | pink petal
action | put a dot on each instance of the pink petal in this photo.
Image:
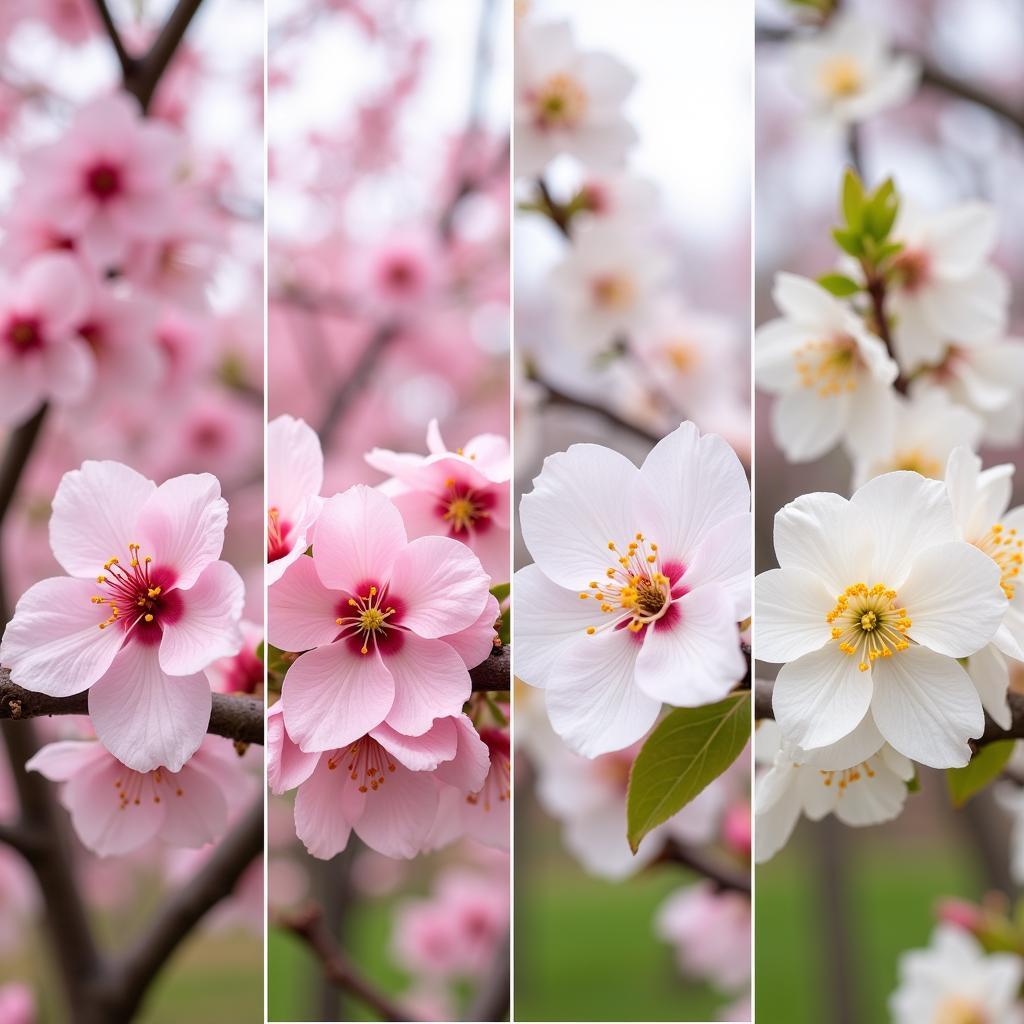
(22, 388)
(325, 808)
(475, 643)
(295, 465)
(287, 765)
(210, 624)
(442, 586)
(96, 514)
(55, 286)
(70, 368)
(146, 718)
(358, 536)
(62, 761)
(397, 818)
(332, 696)
(54, 644)
(195, 808)
(182, 525)
(301, 611)
(468, 769)
(420, 753)
(430, 681)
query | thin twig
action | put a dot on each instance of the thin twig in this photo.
(235, 717)
(22, 838)
(186, 907)
(308, 924)
(148, 72)
(124, 58)
(724, 877)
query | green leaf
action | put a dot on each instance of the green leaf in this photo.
(688, 749)
(501, 592)
(985, 767)
(853, 200)
(505, 627)
(839, 285)
(881, 210)
(849, 241)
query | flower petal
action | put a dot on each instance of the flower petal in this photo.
(182, 525)
(96, 514)
(926, 706)
(430, 681)
(325, 807)
(332, 696)
(54, 644)
(953, 599)
(146, 718)
(210, 624)
(295, 465)
(195, 808)
(468, 769)
(990, 674)
(421, 753)
(287, 765)
(441, 584)
(821, 697)
(301, 612)
(476, 643)
(397, 819)
(790, 614)
(592, 698)
(62, 761)
(697, 659)
(725, 557)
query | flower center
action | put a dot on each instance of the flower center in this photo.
(103, 181)
(462, 508)
(635, 589)
(23, 335)
(842, 779)
(841, 76)
(366, 762)
(560, 102)
(958, 1009)
(916, 460)
(683, 357)
(613, 291)
(1006, 549)
(829, 367)
(496, 789)
(368, 619)
(868, 623)
(132, 593)
(912, 269)
(277, 535)
(151, 785)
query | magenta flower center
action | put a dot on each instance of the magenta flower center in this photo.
(364, 619)
(497, 788)
(149, 786)
(137, 595)
(103, 180)
(23, 334)
(277, 535)
(367, 763)
(464, 508)
(636, 590)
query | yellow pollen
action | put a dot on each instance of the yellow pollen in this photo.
(1006, 549)
(829, 367)
(841, 76)
(867, 622)
(560, 102)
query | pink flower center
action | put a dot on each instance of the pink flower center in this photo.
(637, 591)
(277, 535)
(149, 786)
(912, 268)
(138, 595)
(368, 619)
(103, 180)
(24, 335)
(497, 788)
(92, 335)
(367, 763)
(464, 508)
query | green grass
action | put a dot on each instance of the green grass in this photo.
(893, 889)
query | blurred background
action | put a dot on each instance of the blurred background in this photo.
(836, 907)
(204, 413)
(590, 946)
(388, 212)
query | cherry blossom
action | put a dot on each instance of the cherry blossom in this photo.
(145, 608)
(641, 577)
(295, 476)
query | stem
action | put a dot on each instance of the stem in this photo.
(146, 75)
(124, 58)
(724, 877)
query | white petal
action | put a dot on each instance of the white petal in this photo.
(805, 424)
(991, 677)
(790, 614)
(724, 557)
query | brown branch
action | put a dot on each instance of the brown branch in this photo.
(237, 718)
(124, 58)
(146, 75)
(130, 979)
(308, 925)
(20, 837)
(492, 999)
(723, 876)
(493, 674)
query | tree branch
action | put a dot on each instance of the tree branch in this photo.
(146, 75)
(237, 718)
(724, 877)
(131, 978)
(491, 1002)
(308, 925)
(493, 674)
(124, 58)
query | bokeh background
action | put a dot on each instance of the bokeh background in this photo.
(55, 59)
(388, 214)
(836, 908)
(587, 948)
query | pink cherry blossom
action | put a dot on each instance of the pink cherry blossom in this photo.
(115, 810)
(41, 356)
(241, 672)
(385, 787)
(74, 21)
(462, 494)
(107, 181)
(371, 609)
(17, 1004)
(146, 607)
(295, 476)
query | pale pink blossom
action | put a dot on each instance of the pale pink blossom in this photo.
(115, 810)
(371, 610)
(42, 358)
(385, 787)
(295, 476)
(107, 181)
(146, 607)
(17, 1004)
(241, 672)
(462, 494)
